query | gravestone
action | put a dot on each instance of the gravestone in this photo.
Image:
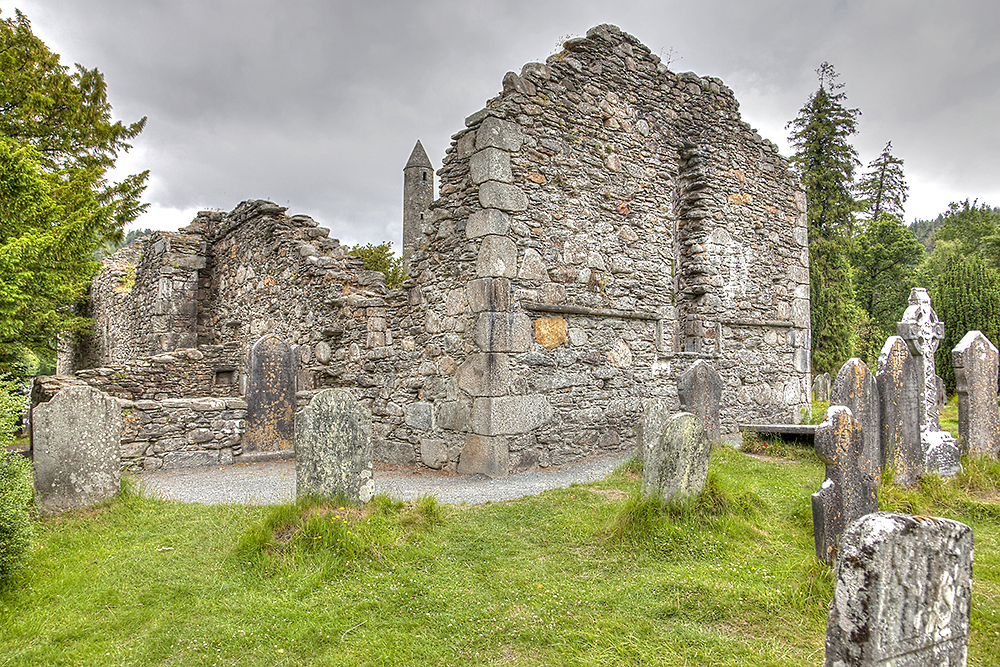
(700, 391)
(900, 377)
(678, 465)
(855, 388)
(333, 448)
(821, 387)
(75, 438)
(902, 594)
(975, 360)
(848, 492)
(270, 397)
(923, 332)
(650, 427)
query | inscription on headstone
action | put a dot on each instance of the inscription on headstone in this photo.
(333, 447)
(923, 332)
(700, 391)
(855, 387)
(678, 465)
(975, 360)
(848, 492)
(75, 438)
(900, 377)
(903, 593)
(270, 397)
(821, 387)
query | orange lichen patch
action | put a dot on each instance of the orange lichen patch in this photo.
(740, 199)
(535, 177)
(738, 175)
(550, 332)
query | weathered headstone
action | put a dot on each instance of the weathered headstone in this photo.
(821, 387)
(900, 377)
(975, 360)
(923, 332)
(75, 438)
(848, 492)
(700, 391)
(270, 397)
(903, 592)
(650, 427)
(855, 387)
(333, 447)
(678, 465)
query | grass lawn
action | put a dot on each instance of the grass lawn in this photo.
(582, 576)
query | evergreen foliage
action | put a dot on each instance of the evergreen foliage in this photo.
(882, 191)
(381, 258)
(835, 314)
(825, 161)
(974, 228)
(57, 142)
(966, 297)
(16, 487)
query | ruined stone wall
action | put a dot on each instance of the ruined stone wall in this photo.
(602, 224)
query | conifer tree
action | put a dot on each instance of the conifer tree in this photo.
(966, 297)
(825, 160)
(883, 190)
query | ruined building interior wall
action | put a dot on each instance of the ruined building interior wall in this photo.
(601, 224)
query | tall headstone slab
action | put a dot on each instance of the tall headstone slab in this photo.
(270, 397)
(899, 378)
(650, 427)
(821, 387)
(855, 387)
(333, 448)
(903, 592)
(923, 332)
(75, 438)
(848, 492)
(678, 465)
(975, 360)
(700, 391)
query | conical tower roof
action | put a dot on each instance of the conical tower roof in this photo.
(418, 158)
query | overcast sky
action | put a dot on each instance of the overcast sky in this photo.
(317, 104)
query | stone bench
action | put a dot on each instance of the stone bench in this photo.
(803, 430)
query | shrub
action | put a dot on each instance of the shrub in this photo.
(16, 496)
(380, 258)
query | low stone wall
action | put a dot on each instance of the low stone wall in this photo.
(182, 432)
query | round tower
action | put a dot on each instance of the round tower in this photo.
(418, 193)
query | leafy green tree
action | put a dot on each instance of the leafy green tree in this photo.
(57, 142)
(381, 258)
(66, 116)
(885, 261)
(966, 297)
(974, 228)
(16, 489)
(46, 255)
(825, 161)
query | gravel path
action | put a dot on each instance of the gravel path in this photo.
(274, 482)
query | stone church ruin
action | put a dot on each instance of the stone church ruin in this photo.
(599, 227)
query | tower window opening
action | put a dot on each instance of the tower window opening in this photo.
(421, 216)
(424, 175)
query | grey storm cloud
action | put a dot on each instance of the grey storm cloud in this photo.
(316, 105)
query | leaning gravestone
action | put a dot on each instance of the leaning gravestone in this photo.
(821, 388)
(650, 427)
(975, 360)
(903, 592)
(855, 387)
(678, 465)
(700, 391)
(333, 448)
(848, 492)
(923, 332)
(900, 377)
(76, 439)
(270, 397)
